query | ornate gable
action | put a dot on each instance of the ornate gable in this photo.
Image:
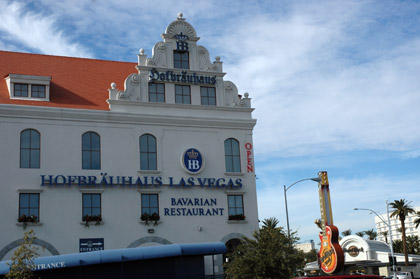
(178, 62)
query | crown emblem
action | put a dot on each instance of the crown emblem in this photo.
(192, 154)
(181, 37)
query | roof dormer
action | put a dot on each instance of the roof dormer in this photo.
(27, 87)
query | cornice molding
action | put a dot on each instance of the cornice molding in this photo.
(48, 113)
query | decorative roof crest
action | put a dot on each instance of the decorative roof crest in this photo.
(180, 25)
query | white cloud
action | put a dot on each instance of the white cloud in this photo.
(412, 154)
(320, 100)
(37, 31)
(117, 29)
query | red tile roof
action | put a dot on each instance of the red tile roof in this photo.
(77, 83)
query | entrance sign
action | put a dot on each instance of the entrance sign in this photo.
(91, 244)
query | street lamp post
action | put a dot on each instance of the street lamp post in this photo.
(390, 237)
(285, 199)
(389, 231)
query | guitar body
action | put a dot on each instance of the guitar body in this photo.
(330, 257)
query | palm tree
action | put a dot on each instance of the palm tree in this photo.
(371, 234)
(385, 234)
(346, 232)
(417, 220)
(397, 246)
(413, 244)
(402, 209)
(361, 234)
(270, 223)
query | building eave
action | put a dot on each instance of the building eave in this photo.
(64, 114)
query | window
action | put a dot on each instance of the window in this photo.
(91, 151)
(236, 207)
(156, 92)
(30, 149)
(148, 153)
(149, 204)
(232, 156)
(38, 91)
(181, 59)
(182, 94)
(91, 206)
(20, 90)
(28, 87)
(208, 96)
(28, 207)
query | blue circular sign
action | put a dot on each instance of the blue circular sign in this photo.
(192, 161)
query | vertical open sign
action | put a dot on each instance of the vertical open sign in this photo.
(249, 164)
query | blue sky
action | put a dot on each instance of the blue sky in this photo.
(335, 86)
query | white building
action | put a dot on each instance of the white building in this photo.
(89, 147)
(373, 257)
(370, 257)
(305, 246)
(410, 228)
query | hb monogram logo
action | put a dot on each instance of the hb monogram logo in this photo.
(193, 165)
(181, 43)
(192, 160)
(183, 46)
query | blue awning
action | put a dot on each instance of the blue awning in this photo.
(122, 255)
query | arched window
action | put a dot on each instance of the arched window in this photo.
(148, 153)
(232, 156)
(231, 246)
(30, 149)
(91, 151)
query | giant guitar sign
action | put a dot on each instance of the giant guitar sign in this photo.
(330, 256)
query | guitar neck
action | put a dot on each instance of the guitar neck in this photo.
(324, 201)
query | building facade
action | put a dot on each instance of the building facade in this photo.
(104, 155)
(383, 231)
